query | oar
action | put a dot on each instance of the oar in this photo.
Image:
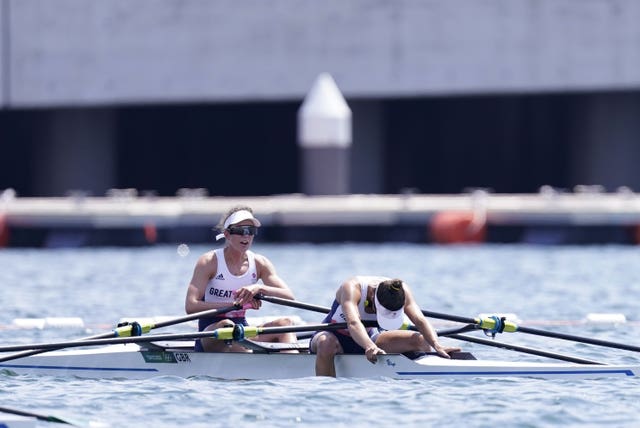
(33, 415)
(472, 324)
(128, 330)
(497, 325)
(229, 333)
(522, 349)
(238, 332)
(293, 303)
(203, 314)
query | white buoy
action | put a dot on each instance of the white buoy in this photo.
(604, 318)
(64, 322)
(49, 322)
(324, 136)
(29, 323)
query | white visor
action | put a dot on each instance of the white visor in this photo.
(388, 320)
(236, 218)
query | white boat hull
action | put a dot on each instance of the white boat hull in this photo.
(132, 361)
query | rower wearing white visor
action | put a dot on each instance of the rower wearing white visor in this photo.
(374, 298)
(235, 275)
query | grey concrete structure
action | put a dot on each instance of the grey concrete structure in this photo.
(72, 54)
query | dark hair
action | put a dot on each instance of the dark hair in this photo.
(390, 294)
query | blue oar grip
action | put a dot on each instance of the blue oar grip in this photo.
(238, 332)
(136, 329)
(498, 326)
(126, 329)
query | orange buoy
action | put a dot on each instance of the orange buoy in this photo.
(451, 227)
(150, 233)
(4, 231)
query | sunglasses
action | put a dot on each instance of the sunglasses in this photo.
(243, 230)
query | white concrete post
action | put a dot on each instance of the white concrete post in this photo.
(324, 137)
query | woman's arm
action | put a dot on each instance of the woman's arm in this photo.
(272, 283)
(414, 313)
(205, 268)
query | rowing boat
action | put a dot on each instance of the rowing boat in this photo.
(128, 352)
(139, 361)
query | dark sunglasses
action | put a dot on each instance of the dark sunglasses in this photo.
(243, 230)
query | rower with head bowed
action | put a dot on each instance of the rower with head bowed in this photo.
(231, 275)
(373, 298)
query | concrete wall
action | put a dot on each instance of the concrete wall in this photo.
(58, 57)
(76, 52)
(4, 52)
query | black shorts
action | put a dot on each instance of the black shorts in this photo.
(206, 322)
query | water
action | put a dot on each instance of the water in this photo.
(536, 283)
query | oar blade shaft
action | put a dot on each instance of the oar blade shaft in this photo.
(522, 349)
(45, 418)
(125, 331)
(507, 326)
(581, 339)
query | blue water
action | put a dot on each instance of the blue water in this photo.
(538, 284)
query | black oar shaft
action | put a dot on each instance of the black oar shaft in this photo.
(34, 350)
(468, 320)
(580, 339)
(522, 349)
(107, 341)
(538, 332)
(312, 327)
(33, 415)
(31, 351)
(454, 330)
(449, 317)
(197, 315)
(176, 336)
(293, 304)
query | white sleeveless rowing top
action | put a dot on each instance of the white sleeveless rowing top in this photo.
(365, 282)
(221, 287)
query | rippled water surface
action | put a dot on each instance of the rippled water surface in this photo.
(553, 288)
